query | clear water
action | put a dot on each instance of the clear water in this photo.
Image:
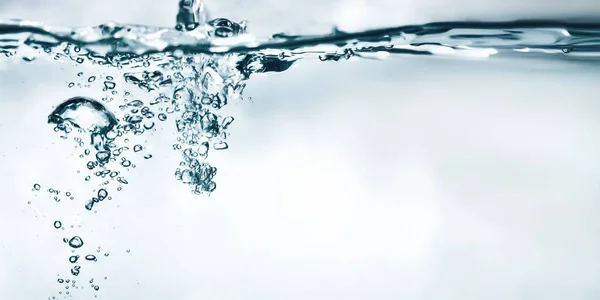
(188, 74)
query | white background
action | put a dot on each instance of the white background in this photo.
(410, 178)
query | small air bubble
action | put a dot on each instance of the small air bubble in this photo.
(89, 205)
(221, 146)
(37, 187)
(109, 85)
(102, 193)
(90, 257)
(138, 148)
(57, 224)
(76, 242)
(75, 271)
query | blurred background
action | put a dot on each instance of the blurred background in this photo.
(407, 178)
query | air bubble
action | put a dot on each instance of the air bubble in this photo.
(76, 242)
(75, 271)
(109, 85)
(57, 224)
(90, 257)
(103, 156)
(221, 146)
(89, 205)
(102, 193)
(73, 259)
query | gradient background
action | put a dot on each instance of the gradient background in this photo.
(410, 178)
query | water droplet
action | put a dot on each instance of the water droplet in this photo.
(162, 116)
(96, 287)
(75, 271)
(57, 224)
(37, 187)
(61, 280)
(91, 78)
(71, 84)
(138, 148)
(76, 242)
(148, 156)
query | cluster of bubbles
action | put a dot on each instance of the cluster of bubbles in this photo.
(189, 90)
(186, 89)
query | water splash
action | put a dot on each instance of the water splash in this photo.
(192, 13)
(565, 39)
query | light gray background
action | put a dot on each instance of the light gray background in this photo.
(411, 178)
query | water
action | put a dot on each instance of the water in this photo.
(197, 68)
